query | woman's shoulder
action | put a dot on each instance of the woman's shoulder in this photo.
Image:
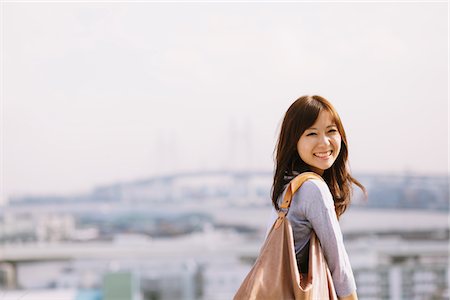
(314, 185)
(315, 192)
(310, 186)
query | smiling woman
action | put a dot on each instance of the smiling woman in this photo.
(313, 139)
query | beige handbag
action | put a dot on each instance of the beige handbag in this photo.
(275, 274)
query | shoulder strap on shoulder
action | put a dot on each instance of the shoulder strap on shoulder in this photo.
(294, 185)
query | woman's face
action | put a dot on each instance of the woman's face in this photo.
(320, 144)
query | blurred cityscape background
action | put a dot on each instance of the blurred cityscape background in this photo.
(196, 235)
(137, 142)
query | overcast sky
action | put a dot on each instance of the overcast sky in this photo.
(101, 93)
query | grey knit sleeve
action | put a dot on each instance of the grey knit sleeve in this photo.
(314, 203)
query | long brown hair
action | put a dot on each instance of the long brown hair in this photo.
(301, 115)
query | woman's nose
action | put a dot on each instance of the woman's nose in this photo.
(324, 140)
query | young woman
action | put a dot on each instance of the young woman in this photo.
(312, 138)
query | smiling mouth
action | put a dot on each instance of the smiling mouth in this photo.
(323, 154)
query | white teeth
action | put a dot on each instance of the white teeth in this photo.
(323, 154)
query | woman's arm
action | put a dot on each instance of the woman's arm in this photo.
(316, 203)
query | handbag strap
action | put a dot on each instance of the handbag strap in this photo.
(292, 187)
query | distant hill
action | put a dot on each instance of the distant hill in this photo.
(385, 190)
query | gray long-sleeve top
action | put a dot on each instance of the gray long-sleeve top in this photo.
(312, 207)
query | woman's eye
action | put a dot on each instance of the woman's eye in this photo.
(312, 133)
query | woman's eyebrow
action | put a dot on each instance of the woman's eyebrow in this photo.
(332, 125)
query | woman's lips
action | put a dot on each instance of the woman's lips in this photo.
(324, 157)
